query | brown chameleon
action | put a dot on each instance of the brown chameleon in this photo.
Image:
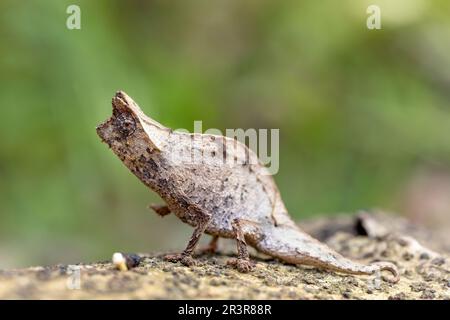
(218, 186)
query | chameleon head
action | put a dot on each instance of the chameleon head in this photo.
(121, 125)
(129, 131)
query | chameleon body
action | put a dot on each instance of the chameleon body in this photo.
(218, 186)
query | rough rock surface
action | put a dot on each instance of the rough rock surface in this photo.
(424, 268)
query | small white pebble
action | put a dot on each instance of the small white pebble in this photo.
(119, 261)
(118, 258)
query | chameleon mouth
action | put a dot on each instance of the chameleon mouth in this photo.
(120, 103)
(102, 129)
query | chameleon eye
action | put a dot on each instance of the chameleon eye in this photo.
(125, 124)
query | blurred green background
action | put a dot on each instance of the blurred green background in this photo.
(364, 115)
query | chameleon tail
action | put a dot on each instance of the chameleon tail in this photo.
(291, 245)
(383, 265)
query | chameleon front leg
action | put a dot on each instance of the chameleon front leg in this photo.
(211, 247)
(185, 257)
(242, 262)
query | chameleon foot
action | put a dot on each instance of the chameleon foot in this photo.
(180, 257)
(243, 265)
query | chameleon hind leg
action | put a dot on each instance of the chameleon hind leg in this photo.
(242, 262)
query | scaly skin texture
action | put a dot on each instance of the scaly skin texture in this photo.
(218, 186)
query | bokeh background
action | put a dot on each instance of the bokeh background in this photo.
(364, 115)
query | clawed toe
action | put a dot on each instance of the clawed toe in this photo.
(184, 259)
(241, 265)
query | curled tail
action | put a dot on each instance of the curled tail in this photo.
(291, 245)
(383, 265)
